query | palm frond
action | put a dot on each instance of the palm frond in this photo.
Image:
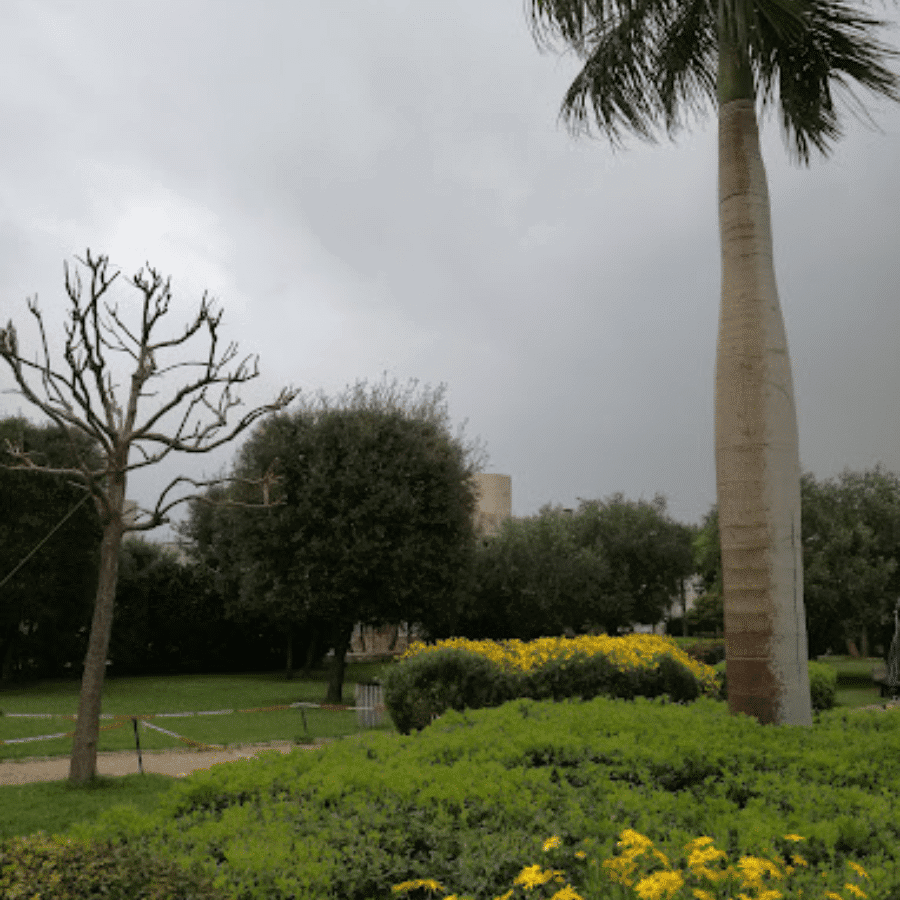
(646, 63)
(801, 66)
(651, 64)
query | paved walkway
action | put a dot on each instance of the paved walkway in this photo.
(166, 762)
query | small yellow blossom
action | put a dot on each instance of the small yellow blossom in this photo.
(428, 883)
(580, 854)
(535, 876)
(754, 869)
(855, 890)
(659, 886)
(793, 837)
(831, 895)
(567, 893)
(634, 841)
(798, 860)
(620, 869)
(700, 894)
(858, 869)
(552, 843)
(505, 896)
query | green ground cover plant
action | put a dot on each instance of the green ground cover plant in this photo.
(470, 801)
(180, 693)
(39, 867)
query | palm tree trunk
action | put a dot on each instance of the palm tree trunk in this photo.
(757, 457)
(83, 763)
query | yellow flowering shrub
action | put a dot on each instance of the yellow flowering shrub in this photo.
(632, 651)
(637, 870)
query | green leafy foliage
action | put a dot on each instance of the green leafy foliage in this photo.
(45, 606)
(38, 867)
(822, 686)
(472, 797)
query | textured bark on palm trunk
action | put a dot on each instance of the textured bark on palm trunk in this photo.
(757, 458)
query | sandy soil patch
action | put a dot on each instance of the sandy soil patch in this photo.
(165, 762)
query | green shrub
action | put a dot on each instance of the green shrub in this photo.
(38, 867)
(471, 799)
(419, 689)
(822, 686)
(709, 652)
(587, 677)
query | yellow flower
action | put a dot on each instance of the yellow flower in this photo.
(700, 894)
(505, 896)
(580, 854)
(567, 893)
(659, 886)
(634, 841)
(793, 837)
(620, 869)
(831, 895)
(754, 869)
(856, 891)
(798, 860)
(406, 886)
(552, 843)
(534, 876)
(858, 869)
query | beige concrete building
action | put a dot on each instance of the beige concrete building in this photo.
(494, 501)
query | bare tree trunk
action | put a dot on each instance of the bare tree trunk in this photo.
(757, 458)
(335, 693)
(83, 764)
(289, 654)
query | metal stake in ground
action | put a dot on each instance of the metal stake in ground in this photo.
(137, 743)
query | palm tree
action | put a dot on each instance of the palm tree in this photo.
(651, 63)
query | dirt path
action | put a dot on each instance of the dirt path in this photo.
(165, 762)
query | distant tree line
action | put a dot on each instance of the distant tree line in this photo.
(373, 524)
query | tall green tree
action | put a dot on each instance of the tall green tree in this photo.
(656, 63)
(851, 553)
(648, 554)
(532, 579)
(49, 541)
(372, 515)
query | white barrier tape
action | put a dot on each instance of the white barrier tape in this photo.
(185, 715)
(40, 737)
(182, 738)
(37, 715)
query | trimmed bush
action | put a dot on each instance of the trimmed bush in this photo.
(38, 867)
(460, 674)
(822, 686)
(424, 686)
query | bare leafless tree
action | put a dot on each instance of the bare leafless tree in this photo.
(81, 393)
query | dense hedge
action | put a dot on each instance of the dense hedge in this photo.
(472, 798)
(38, 867)
(461, 674)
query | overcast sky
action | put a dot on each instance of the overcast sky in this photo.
(385, 187)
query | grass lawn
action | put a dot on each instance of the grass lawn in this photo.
(54, 806)
(255, 693)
